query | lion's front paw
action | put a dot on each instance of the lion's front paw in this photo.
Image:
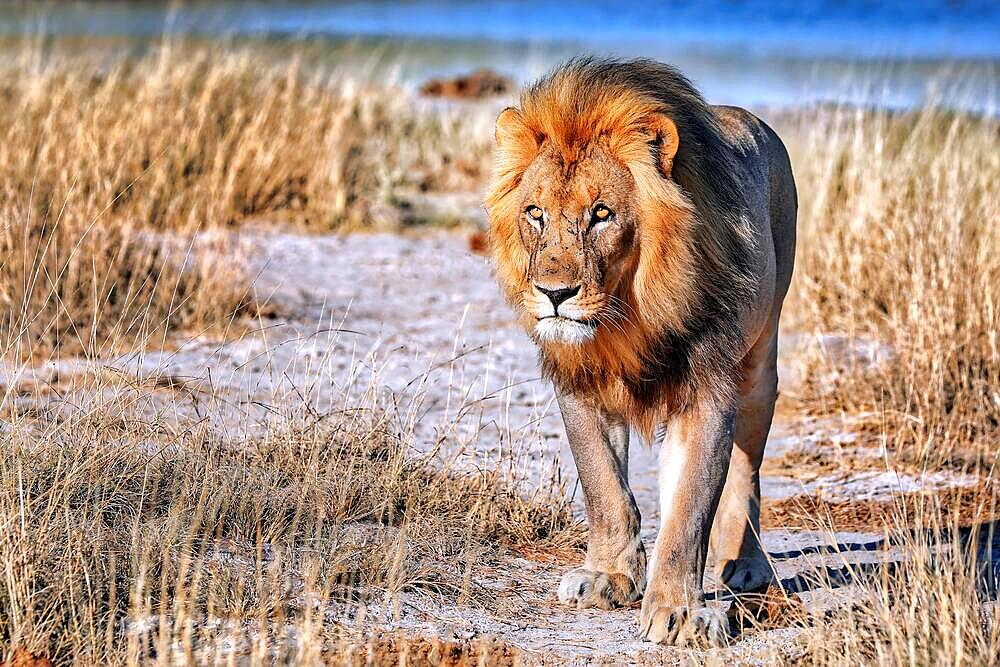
(587, 588)
(745, 575)
(677, 625)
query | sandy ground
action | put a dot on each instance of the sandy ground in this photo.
(419, 322)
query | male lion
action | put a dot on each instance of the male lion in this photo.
(647, 239)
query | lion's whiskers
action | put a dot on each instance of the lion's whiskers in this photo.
(627, 308)
(611, 317)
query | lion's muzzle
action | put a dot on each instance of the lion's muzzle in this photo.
(558, 295)
(560, 313)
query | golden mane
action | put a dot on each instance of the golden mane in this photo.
(684, 293)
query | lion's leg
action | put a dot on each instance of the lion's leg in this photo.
(693, 461)
(740, 561)
(614, 573)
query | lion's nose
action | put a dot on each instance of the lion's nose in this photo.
(558, 295)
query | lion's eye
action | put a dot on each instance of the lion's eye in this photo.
(534, 213)
(601, 213)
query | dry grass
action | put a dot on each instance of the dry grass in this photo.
(151, 540)
(899, 248)
(124, 539)
(899, 254)
(179, 139)
(929, 597)
(109, 167)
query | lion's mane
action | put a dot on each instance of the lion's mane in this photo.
(679, 334)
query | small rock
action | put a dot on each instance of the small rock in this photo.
(476, 85)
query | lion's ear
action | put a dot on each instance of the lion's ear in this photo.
(513, 134)
(664, 139)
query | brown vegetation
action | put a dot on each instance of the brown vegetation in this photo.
(398, 649)
(154, 540)
(965, 506)
(124, 538)
(108, 169)
(899, 248)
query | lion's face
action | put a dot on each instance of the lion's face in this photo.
(620, 232)
(572, 188)
(578, 227)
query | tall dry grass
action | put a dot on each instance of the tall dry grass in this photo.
(896, 295)
(123, 540)
(110, 167)
(176, 139)
(929, 598)
(899, 251)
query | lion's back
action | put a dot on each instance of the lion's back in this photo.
(768, 182)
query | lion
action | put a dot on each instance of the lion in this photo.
(646, 240)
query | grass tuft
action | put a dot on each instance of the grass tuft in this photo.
(108, 169)
(254, 533)
(898, 251)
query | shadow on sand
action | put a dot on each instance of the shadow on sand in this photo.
(979, 543)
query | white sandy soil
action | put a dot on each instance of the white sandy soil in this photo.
(422, 319)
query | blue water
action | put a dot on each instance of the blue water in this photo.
(748, 52)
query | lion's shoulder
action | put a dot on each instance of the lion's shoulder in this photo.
(741, 129)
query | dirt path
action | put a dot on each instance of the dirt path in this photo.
(423, 318)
